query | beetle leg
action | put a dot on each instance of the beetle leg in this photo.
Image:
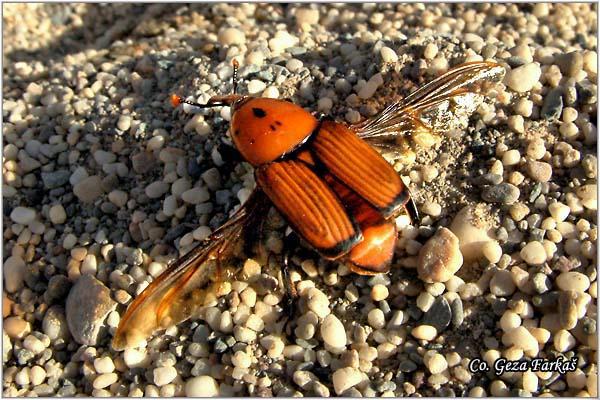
(290, 292)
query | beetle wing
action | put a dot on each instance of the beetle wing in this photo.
(435, 107)
(181, 289)
(360, 167)
(310, 206)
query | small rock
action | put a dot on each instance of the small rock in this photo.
(164, 375)
(502, 284)
(570, 64)
(14, 273)
(533, 253)
(345, 378)
(440, 257)
(89, 189)
(472, 231)
(424, 332)
(388, 55)
(333, 331)
(231, 36)
(504, 193)
(439, 315)
(88, 305)
(539, 171)
(156, 189)
(55, 179)
(523, 78)
(572, 280)
(553, 105)
(202, 386)
(22, 215)
(16, 327)
(57, 214)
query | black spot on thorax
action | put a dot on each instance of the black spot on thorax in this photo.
(259, 112)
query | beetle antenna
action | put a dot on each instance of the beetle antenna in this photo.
(178, 100)
(236, 65)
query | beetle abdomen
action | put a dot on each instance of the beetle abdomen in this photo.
(374, 253)
(360, 167)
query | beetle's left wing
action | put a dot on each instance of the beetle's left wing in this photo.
(441, 105)
(178, 292)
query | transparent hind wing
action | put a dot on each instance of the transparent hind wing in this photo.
(441, 105)
(181, 289)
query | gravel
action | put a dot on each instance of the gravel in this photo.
(104, 185)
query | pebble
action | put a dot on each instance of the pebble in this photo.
(471, 231)
(523, 78)
(502, 284)
(164, 375)
(333, 332)
(539, 171)
(388, 55)
(87, 306)
(439, 314)
(376, 318)
(55, 179)
(57, 214)
(156, 189)
(521, 338)
(89, 189)
(440, 257)
(504, 193)
(22, 215)
(231, 36)
(16, 327)
(202, 386)
(570, 64)
(435, 362)
(14, 270)
(424, 332)
(37, 375)
(533, 253)
(104, 365)
(345, 378)
(379, 292)
(573, 280)
(105, 380)
(307, 16)
(559, 211)
(196, 195)
(553, 105)
(492, 251)
(256, 86)
(564, 341)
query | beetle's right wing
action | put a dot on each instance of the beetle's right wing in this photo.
(441, 105)
(181, 289)
(310, 206)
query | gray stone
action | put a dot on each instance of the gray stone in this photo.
(504, 193)
(88, 305)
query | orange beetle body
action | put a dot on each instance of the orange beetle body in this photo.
(336, 191)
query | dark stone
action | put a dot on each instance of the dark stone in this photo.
(53, 180)
(504, 193)
(553, 105)
(439, 315)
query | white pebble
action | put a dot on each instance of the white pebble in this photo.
(156, 189)
(345, 378)
(202, 386)
(523, 78)
(196, 195)
(22, 215)
(533, 253)
(435, 362)
(57, 214)
(333, 332)
(164, 375)
(255, 86)
(424, 332)
(388, 55)
(564, 341)
(104, 365)
(559, 211)
(231, 36)
(573, 280)
(104, 380)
